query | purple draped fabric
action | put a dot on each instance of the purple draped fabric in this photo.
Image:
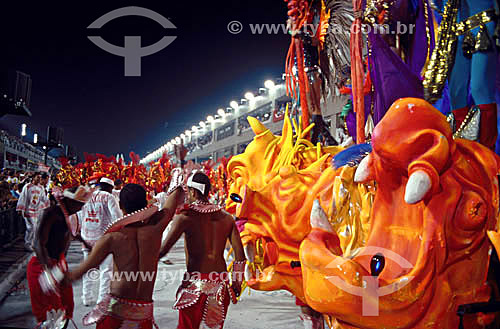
(391, 77)
(418, 55)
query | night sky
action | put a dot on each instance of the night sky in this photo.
(82, 88)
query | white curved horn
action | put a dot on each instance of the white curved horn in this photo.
(363, 171)
(417, 187)
(319, 218)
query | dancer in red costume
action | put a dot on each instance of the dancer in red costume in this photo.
(51, 243)
(203, 298)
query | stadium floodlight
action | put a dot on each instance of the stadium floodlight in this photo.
(173, 141)
(234, 105)
(203, 124)
(221, 112)
(194, 128)
(249, 95)
(35, 138)
(183, 136)
(210, 118)
(23, 130)
(269, 84)
(188, 132)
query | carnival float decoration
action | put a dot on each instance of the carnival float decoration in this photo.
(375, 51)
(159, 174)
(420, 215)
(465, 60)
(68, 175)
(154, 177)
(277, 179)
(435, 204)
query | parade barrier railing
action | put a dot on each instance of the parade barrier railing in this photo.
(11, 226)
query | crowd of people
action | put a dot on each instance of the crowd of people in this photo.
(12, 183)
(121, 229)
(28, 194)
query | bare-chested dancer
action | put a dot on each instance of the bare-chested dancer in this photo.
(204, 296)
(134, 241)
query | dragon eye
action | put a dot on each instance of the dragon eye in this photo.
(236, 198)
(377, 264)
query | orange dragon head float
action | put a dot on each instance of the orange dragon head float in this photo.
(277, 179)
(427, 250)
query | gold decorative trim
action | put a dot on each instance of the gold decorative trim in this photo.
(443, 56)
(475, 21)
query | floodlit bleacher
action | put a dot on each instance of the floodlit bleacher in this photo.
(21, 155)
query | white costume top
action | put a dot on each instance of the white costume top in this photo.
(161, 199)
(32, 201)
(101, 210)
(116, 194)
